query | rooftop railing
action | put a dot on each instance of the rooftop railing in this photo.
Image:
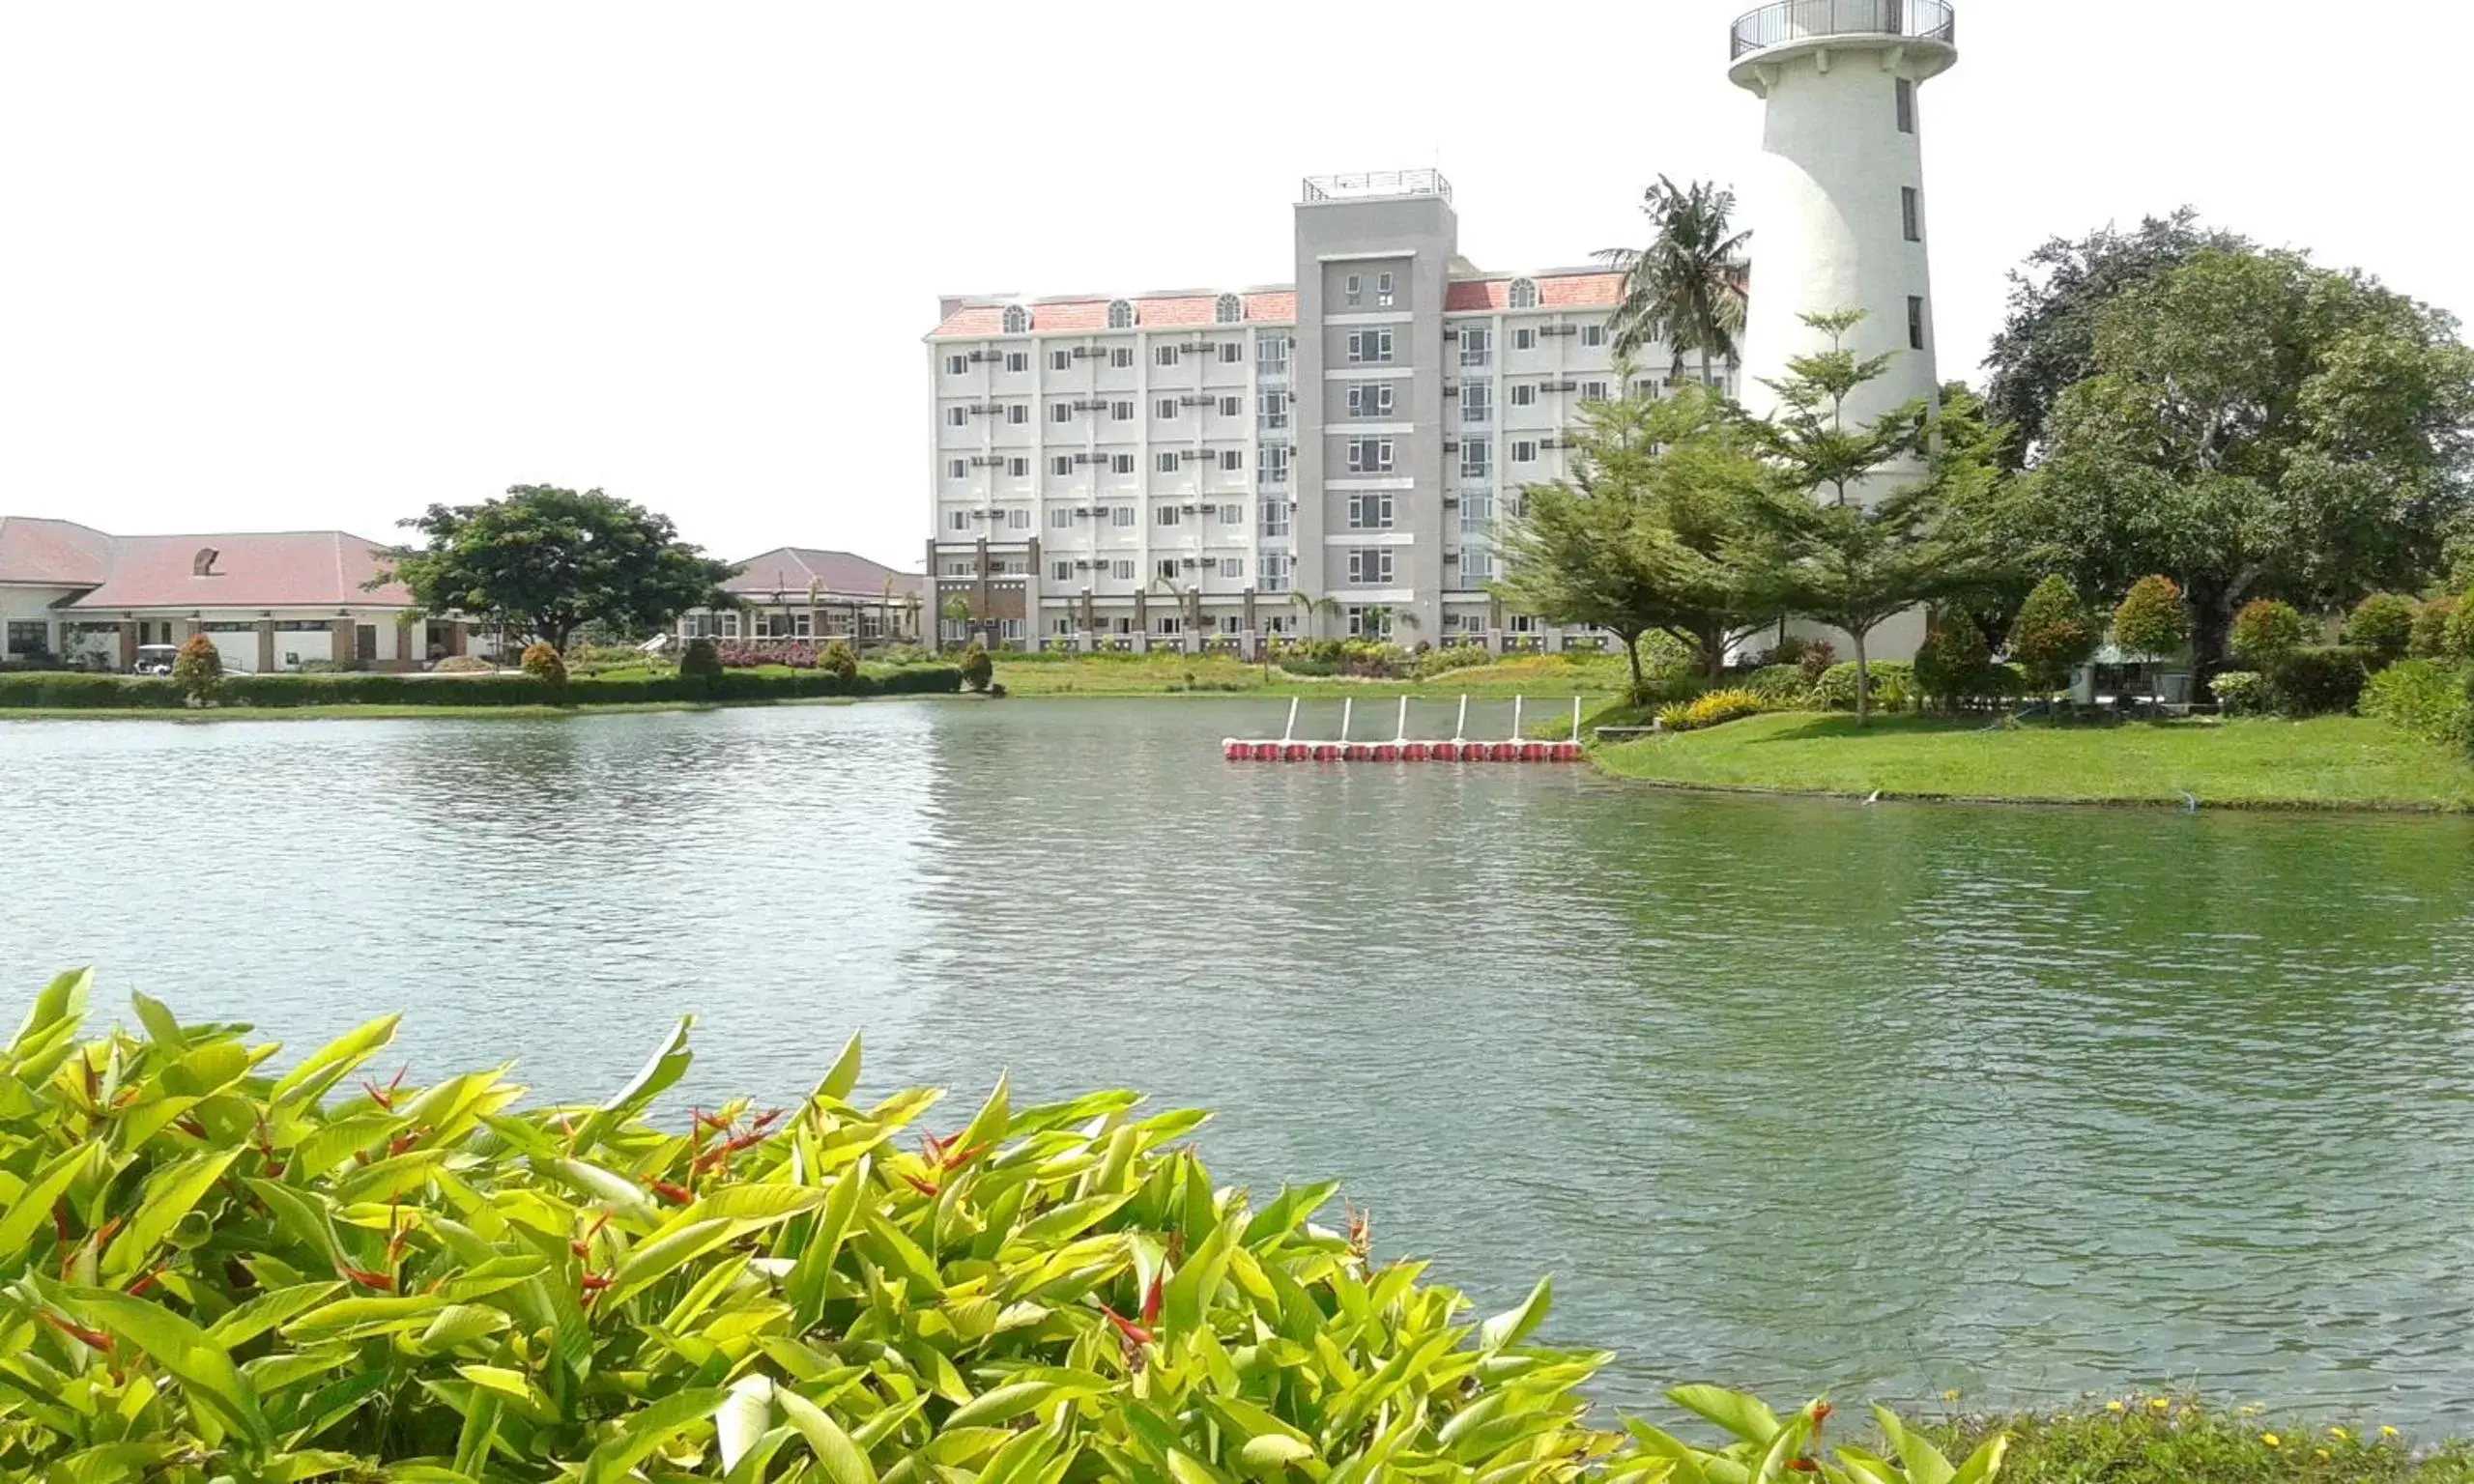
(1378, 182)
(1796, 20)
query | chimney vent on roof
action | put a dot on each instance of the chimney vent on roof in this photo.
(203, 563)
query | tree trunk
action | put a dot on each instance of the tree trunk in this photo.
(1863, 681)
(1633, 653)
(1713, 647)
(1705, 366)
(2212, 621)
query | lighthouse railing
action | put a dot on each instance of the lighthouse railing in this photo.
(1795, 20)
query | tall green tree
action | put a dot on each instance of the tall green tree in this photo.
(1640, 539)
(1826, 542)
(2048, 344)
(1687, 286)
(546, 562)
(2258, 427)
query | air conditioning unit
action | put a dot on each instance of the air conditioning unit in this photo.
(1081, 509)
(1452, 446)
(1450, 556)
(1081, 567)
(1450, 501)
(1189, 508)
(1452, 388)
(1452, 334)
(1190, 562)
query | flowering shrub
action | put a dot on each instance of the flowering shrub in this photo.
(2242, 692)
(2428, 639)
(542, 663)
(2427, 700)
(1720, 708)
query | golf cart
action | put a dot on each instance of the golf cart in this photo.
(157, 659)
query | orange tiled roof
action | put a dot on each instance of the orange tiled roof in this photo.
(1150, 312)
(1559, 291)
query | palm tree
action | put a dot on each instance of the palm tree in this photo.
(955, 609)
(1325, 607)
(1687, 286)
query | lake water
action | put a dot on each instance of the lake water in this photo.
(1798, 1095)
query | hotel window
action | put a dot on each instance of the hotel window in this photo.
(1274, 407)
(1476, 513)
(1121, 410)
(1164, 462)
(1911, 212)
(1477, 567)
(1231, 623)
(1369, 456)
(1017, 468)
(1121, 463)
(956, 468)
(1592, 334)
(1592, 392)
(1232, 353)
(1232, 566)
(1232, 407)
(1477, 344)
(1061, 465)
(1060, 360)
(1477, 402)
(1164, 355)
(1122, 569)
(1232, 515)
(1383, 290)
(1062, 628)
(1166, 515)
(1274, 572)
(1370, 566)
(1061, 571)
(1168, 568)
(1915, 322)
(1018, 322)
(958, 520)
(1018, 519)
(1009, 628)
(1524, 451)
(1271, 463)
(1906, 107)
(1121, 317)
(1166, 409)
(1352, 290)
(1062, 518)
(1371, 399)
(1524, 395)
(1228, 309)
(1121, 356)
(956, 365)
(1370, 512)
(1019, 414)
(962, 569)
(1524, 293)
(1476, 457)
(1525, 338)
(1271, 354)
(957, 416)
(1231, 459)
(1060, 411)
(1017, 361)
(1371, 347)
(1274, 518)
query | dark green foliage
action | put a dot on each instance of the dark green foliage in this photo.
(2052, 635)
(2382, 623)
(2457, 638)
(1892, 685)
(63, 689)
(2319, 679)
(552, 560)
(544, 664)
(198, 669)
(977, 669)
(1950, 666)
(1778, 682)
(2429, 701)
(701, 660)
(2265, 632)
(2151, 619)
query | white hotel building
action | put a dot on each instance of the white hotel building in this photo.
(1171, 468)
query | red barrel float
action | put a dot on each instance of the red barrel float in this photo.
(1235, 751)
(1266, 752)
(1414, 752)
(1357, 751)
(1295, 752)
(1567, 751)
(1387, 752)
(1327, 751)
(1445, 752)
(1532, 752)
(1503, 751)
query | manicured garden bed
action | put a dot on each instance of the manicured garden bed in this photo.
(400, 694)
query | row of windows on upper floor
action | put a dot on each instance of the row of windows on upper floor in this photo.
(1361, 510)
(1230, 308)
(1271, 351)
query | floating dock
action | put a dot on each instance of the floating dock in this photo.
(1288, 747)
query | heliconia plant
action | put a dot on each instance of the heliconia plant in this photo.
(212, 1272)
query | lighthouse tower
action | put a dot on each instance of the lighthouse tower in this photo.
(1837, 203)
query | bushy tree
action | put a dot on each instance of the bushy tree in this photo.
(198, 669)
(2266, 631)
(2052, 635)
(2150, 620)
(543, 663)
(2257, 427)
(2383, 624)
(1952, 664)
(550, 561)
(977, 668)
(1825, 542)
(2430, 638)
(836, 658)
(1639, 539)
(701, 658)
(2457, 641)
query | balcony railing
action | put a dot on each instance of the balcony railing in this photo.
(1796, 20)
(1377, 183)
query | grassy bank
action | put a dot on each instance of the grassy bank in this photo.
(2327, 762)
(2169, 1440)
(59, 694)
(1179, 674)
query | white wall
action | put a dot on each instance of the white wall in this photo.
(238, 652)
(295, 648)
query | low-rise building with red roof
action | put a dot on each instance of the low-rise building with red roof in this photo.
(807, 592)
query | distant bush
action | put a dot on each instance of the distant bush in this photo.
(68, 690)
(542, 663)
(2319, 679)
(2458, 641)
(836, 657)
(1448, 658)
(2265, 632)
(2052, 635)
(977, 668)
(2151, 619)
(1720, 708)
(2242, 692)
(463, 665)
(198, 669)
(1779, 684)
(2427, 700)
(2428, 639)
(1949, 662)
(331, 667)
(2383, 625)
(603, 656)
(1893, 685)
(700, 661)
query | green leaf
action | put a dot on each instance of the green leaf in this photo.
(480, 1429)
(1985, 1462)
(987, 1127)
(1266, 1452)
(667, 1064)
(270, 1310)
(203, 1368)
(1512, 1325)
(840, 1459)
(642, 1431)
(806, 1289)
(1743, 1416)
(161, 1026)
(741, 1419)
(33, 1205)
(64, 999)
(844, 1078)
(169, 1197)
(335, 1061)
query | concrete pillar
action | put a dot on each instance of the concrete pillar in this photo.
(265, 646)
(455, 637)
(408, 650)
(339, 643)
(191, 629)
(128, 643)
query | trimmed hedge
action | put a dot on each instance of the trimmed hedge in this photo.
(134, 692)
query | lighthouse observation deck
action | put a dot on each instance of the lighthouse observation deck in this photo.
(1790, 21)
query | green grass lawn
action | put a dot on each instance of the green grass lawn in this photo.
(2327, 762)
(1543, 675)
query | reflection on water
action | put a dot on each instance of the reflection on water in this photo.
(1801, 1095)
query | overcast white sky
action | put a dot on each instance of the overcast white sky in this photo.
(267, 266)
